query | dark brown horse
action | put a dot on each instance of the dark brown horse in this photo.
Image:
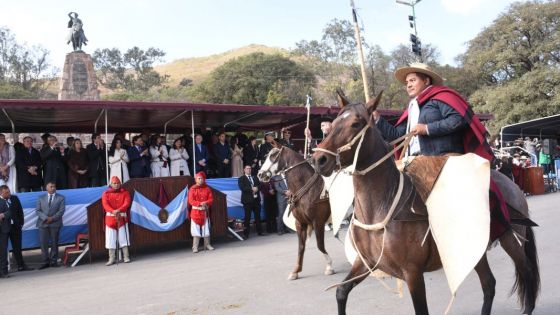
(306, 185)
(403, 256)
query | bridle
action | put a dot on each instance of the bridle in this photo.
(295, 197)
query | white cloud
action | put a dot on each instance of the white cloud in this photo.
(464, 7)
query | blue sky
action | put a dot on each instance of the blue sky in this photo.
(199, 28)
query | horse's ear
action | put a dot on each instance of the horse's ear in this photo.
(341, 97)
(372, 104)
(275, 144)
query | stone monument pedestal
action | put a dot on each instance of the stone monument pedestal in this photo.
(78, 81)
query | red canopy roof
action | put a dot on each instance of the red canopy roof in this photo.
(80, 116)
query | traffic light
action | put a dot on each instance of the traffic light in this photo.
(416, 45)
(411, 21)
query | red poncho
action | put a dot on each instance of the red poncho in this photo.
(111, 200)
(199, 194)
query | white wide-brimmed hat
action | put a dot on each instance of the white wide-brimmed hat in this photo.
(401, 73)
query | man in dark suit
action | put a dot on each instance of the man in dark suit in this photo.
(251, 199)
(28, 164)
(17, 220)
(50, 209)
(265, 147)
(201, 154)
(52, 155)
(5, 225)
(251, 155)
(97, 162)
(139, 159)
(222, 153)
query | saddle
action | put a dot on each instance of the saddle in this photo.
(424, 172)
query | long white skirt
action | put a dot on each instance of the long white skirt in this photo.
(158, 170)
(200, 231)
(111, 237)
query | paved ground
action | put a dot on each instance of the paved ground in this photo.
(250, 278)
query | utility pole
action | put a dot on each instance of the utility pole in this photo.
(360, 50)
(414, 39)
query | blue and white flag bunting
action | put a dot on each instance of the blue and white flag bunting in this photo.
(77, 200)
(74, 219)
(144, 212)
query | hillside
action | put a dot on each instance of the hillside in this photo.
(197, 69)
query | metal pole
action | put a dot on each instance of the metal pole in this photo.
(360, 50)
(106, 150)
(193, 144)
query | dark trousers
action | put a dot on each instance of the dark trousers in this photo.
(44, 235)
(99, 180)
(270, 210)
(255, 208)
(224, 170)
(29, 189)
(3, 253)
(15, 239)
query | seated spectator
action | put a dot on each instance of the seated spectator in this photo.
(97, 162)
(179, 157)
(159, 157)
(139, 158)
(287, 139)
(118, 161)
(53, 160)
(29, 167)
(78, 164)
(7, 164)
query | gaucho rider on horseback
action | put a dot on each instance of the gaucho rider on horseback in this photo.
(442, 123)
(76, 26)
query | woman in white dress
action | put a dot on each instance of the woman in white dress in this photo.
(118, 159)
(160, 156)
(7, 164)
(179, 156)
(236, 158)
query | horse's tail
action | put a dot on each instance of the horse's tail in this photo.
(528, 281)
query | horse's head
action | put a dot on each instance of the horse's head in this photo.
(338, 148)
(273, 164)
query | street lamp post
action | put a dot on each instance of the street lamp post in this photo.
(416, 47)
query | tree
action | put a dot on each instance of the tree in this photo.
(517, 59)
(24, 71)
(131, 72)
(257, 78)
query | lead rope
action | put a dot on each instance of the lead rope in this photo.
(372, 227)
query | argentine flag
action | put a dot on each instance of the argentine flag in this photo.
(144, 212)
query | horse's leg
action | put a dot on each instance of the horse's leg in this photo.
(319, 226)
(488, 283)
(415, 281)
(358, 268)
(301, 230)
(527, 277)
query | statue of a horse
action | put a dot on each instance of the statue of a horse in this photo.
(397, 250)
(310, 212)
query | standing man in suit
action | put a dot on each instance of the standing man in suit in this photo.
(17, 220)
(139, 159)
(282, 195)
(251, 155)
(223, 156)
(97, 161)
(53, 157)
(265, 147)
(200, 154)
(251, 199)
(5, 220)
(28, 164)
(50, 209)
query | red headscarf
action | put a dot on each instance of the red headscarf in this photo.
(115, 179)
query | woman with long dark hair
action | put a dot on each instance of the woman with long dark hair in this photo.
(118, 161)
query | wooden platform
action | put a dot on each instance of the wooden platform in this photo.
(139, 236)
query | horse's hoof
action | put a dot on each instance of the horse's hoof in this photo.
(329, 272)
(293, 276)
